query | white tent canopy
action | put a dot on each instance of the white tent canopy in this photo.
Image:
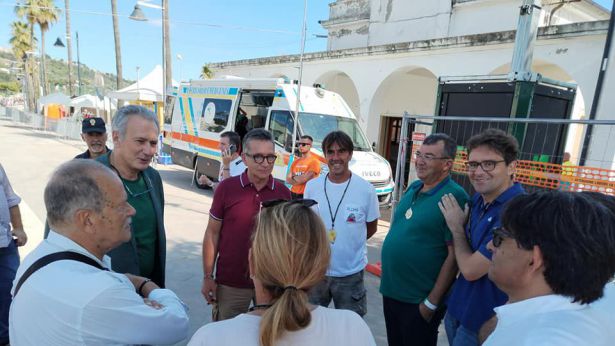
(148, 88)
(92, 101)
(55, 98)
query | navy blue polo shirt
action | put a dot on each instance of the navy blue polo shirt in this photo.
(472, 302)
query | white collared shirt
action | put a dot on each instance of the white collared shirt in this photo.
(549, 320)
(236, 167)
(72, 303)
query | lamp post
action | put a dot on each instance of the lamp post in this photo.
(137, 14)
(60, 44)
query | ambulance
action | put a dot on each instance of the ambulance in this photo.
(203, 109)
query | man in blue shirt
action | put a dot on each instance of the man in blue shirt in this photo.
(492, 159)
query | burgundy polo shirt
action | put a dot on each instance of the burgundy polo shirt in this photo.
(236, 204)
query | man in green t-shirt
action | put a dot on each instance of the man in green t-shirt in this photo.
(418, 262)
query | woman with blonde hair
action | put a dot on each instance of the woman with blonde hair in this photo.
(290, 254)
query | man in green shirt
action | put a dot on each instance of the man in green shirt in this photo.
(135, 140)
(418, 262)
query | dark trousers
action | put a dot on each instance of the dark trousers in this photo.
(405, 325)
(9, 261)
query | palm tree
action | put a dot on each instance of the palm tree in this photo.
(28, 10)
(47, 15)
(206, 72)
(21, 43)
(118, 51)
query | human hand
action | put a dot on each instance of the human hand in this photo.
(209, 290)
(425, 312)
(204, 180)
(453, 214)
(226, 157)
(152, 303)
(21, 238)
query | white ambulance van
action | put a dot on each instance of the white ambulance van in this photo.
(203, 109)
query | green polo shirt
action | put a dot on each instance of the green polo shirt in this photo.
(143, 224)
(416, 246)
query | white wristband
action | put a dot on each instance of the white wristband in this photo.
(429, 305)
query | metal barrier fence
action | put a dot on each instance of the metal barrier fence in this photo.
(542, 144)
(66, 128)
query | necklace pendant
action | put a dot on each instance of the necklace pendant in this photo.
(409, 213)
(331, 235)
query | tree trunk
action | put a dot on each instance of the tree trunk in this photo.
(43, 66)
(69, 39)
(168, 62)
(118, 51)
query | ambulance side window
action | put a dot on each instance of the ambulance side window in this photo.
(281, 127)
(215, 114)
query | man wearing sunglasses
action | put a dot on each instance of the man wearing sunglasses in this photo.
(304, 168)
(237, 201)
(348, 206)
(418, 262)
(492, 159)
(553, 256)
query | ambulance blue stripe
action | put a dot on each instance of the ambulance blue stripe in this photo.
(194, 127)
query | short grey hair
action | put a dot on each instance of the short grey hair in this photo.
(123, 114)
(450, 146)
(256, 135)
(72, 187)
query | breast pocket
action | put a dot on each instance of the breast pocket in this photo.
(354, 214)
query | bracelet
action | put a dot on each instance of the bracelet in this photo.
(210, 276)
(140, 290)
(429, 305)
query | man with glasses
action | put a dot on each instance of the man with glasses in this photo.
(418, 262)
(348, 206)
(237, 201)
(492, 159)
(135, 132)
(304, 168)
(553, 256)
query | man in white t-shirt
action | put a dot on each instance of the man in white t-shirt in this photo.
(348, 206)
(232, 164)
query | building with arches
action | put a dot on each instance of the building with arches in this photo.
(385, 56)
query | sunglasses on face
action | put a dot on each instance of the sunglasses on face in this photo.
(499, 233)
(303, 144)
(259, 158)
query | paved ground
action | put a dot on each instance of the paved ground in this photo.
(29, 157)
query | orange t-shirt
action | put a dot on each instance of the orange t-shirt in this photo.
(301, 166)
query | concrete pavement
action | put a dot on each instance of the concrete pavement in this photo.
(29, 157)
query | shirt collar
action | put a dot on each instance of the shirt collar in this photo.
(67, 244)
(511, 192)
(514, 312)
(236, 161)
(435, 189)
(243, 179)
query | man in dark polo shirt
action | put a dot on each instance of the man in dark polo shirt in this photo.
(418, 262)
(492, 160)
(237, 201)
(94, 134)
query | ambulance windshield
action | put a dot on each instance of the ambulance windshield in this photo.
(319, 125)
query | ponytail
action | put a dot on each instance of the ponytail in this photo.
(289, 312)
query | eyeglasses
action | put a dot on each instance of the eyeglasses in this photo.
(499, 233)
(259, 158)
(303, 144)
(487, 165)
(429, 157)
(303, 201)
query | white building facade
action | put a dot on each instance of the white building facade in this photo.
(385, 56)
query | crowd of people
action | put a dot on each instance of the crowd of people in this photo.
(502, 267)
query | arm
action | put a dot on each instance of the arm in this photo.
(18, 230)
(210, 252)
(121, 316)
(473, 265)
(227, 157)
(372, 227)
(301, 179)
(443, 283)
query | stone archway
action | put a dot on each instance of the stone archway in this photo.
(342, 84)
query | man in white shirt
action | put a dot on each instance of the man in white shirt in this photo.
(553, 256)
(349, 208)
(78, 300)
(232, 164)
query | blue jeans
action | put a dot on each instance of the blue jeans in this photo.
(457, 334)
(9, 261)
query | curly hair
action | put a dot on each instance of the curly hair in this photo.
(497, 140)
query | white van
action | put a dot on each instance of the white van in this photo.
(203, 109)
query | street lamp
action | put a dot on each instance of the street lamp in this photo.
(138, 15)
(60, 44)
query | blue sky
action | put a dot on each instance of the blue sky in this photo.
(201, 31)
